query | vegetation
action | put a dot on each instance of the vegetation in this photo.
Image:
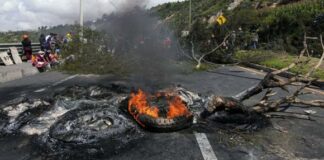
(254, 56)
(279, 28)
(288, 23)
(91, 57)
(278, 61)
(16, 37)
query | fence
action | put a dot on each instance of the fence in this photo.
(5, 47)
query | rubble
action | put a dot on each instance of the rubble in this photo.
(77, 123)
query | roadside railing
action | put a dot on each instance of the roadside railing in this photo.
(4, 47)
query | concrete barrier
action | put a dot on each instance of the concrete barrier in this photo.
(13, 72)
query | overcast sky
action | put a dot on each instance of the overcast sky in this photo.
(30, 14)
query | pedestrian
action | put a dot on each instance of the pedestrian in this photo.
(47, 42)
(167, 42)
(42, 42)
(255, 40)
(68, 38)
(233, 38)
(53, 42)
(48, 47)
(27, 47)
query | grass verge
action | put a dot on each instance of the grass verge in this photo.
(279, 61)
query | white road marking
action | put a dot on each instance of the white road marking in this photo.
(56, 83)
(205, 147)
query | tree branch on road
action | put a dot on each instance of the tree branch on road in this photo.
(271, 80)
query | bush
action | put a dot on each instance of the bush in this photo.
(289, 22)
(253, 56)
(92, 56)
(283, 60)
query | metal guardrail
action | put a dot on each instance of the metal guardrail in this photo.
(4, 47)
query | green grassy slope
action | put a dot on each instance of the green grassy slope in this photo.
(282, 26)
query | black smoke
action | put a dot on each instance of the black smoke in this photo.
(146, 43)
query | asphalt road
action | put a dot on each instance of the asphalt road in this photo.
(284, 138)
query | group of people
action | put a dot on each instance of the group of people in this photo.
(48, 56)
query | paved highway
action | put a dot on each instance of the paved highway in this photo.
(284, 139)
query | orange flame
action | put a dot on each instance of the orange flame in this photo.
(139, 101)
(138, 104)
(177, 108)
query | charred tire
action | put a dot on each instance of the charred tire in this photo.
(90, 131)
(33, 108)
(164, 124)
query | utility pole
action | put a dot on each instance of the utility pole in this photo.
(81, 19)
(190, 14)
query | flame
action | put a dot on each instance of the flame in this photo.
(138, 105)
(177, 108)
(139, 101)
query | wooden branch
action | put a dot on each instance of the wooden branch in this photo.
(219, 103)
(293, 99)
(320, 61)
(234, 104)
(246, 94)
(268, 94)
(311, 72)
(298, 61)
(312, 38)
(199, 60)
(193, 51)
(182, 52)
(271, 80)
(215, 49)
(313, 103)
(285, 114)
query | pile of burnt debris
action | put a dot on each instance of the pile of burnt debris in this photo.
(96, 121)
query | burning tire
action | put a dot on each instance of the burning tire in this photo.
(164, 124)
(90, 131)
(159, 113)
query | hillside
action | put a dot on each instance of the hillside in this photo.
(280, 24)
(15, 36)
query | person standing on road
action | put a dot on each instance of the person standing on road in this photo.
(27, 47)
(255, 40)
